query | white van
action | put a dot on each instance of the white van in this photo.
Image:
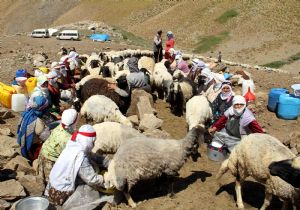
(68, 35)
(40, 33)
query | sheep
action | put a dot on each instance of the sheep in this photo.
(93, 64)
(198, 111)
(100, 87)
(99, 108)
(110, 135)
(147, 63)
(162, 80)
(288, 170)
(251, 157)
(180, 92)
(147, 158)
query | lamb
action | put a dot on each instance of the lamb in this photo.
(288, 170)
(180, 92)
(110, 135)
(198, 111)
(147, 158)
(251, 157)
(100, 108)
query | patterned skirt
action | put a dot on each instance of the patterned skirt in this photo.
(44, 167)
(58, 197)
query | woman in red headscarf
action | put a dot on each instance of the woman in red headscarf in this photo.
(169, 44)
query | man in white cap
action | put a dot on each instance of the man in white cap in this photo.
(56, 142)
(74, 163)
(236, 122)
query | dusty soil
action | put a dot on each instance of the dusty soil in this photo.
(196, 188)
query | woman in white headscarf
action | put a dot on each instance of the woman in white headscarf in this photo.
(73, 165)
(222, 102)
(236, 122)
(56, 142)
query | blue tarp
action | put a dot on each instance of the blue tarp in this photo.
(100, 37)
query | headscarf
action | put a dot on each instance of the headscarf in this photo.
(69, 119)
(133, 65)
(206, 72)
(170, 35)
(52, 78)
(27, 123)
(73, 57)
(226, 96)
(64, 172)
(198, 64)
(238, 100)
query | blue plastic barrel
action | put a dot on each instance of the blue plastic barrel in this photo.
(288, 107)
(274, 98)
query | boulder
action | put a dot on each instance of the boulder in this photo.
(156, 133)
(4, 204)
(5, 113)
(150, 122)
(136, 93)
(134, 119)
(20, 164)
(9, 149)
(144, 107)
(6, 132)
(11, 189)
(34, 185)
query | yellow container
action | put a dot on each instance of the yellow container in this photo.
(30, 84)
(6, 93)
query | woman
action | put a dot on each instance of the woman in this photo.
(136, 78)
(73, 165)
(56, 142)
(236, 122)
(32, 130)
(222, 102)
(169, 44)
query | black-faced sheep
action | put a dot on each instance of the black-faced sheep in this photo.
(99, 108)
(147, 158)
(288, 170)
(180, 92)
(251, 157)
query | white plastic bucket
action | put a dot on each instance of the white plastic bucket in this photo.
(18, 102)
(245, 86)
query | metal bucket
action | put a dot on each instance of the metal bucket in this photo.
(217, 150)
(33, 203)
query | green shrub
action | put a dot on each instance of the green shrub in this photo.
(275, 64)
(294, 57)
(210, 42)
(227, 15)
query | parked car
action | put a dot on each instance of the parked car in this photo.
(68, 35)
(40, 33)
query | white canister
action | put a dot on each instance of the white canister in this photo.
(18, 102)
(246, 85)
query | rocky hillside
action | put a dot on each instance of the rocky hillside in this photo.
(254, 32)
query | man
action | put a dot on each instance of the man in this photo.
(157, 47)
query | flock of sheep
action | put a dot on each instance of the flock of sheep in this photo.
(138, 157)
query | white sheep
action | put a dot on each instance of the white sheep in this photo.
(251, 157)
(147, 63)
(99, 108)
(110, 135)
(162, 80)
(90, 60)
(198, 111)
(147, 158)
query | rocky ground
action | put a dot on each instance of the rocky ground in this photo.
(196, 188)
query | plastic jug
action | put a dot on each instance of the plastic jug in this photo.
(6, 94)
(288, 107)
(30, 84)
(246, 85)
(249, 96)
(274, 98)
(18, 102)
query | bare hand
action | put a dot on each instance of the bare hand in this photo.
(212, 130)
(112, 86)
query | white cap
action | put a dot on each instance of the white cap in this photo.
(69, 117)
(206, 72)
(238, 100)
